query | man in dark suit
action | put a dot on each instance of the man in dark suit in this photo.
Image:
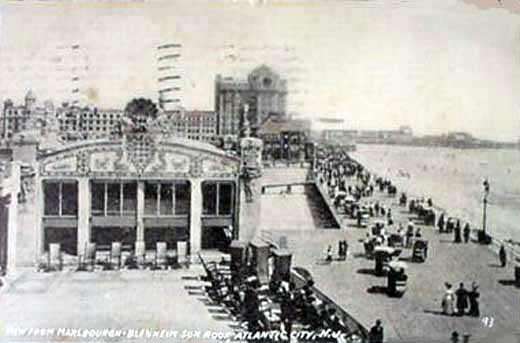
(466, 233)
(462, 299)
(503, 256)
(376, 334)
(473, 296)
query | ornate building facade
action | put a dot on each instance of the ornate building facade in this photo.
(136, 187)
(264, 91)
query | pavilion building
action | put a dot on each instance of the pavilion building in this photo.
(135, 187)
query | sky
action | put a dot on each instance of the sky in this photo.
(435, 65)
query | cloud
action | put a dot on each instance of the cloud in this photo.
(443, 65)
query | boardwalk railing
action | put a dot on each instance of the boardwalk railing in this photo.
(351, 324)
(329, 203)
(287, 186)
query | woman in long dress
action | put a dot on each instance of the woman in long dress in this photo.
(448, 301)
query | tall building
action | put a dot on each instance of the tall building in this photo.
(264, 91)
(27, 116)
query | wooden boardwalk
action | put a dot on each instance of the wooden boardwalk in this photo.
(416, 315)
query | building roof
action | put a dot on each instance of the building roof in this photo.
(192, 114)
(272, 126)
(262, 77)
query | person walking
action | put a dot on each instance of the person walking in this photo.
(329, 254)
(454, 337)
(340, 250)
(458, 238)
(345, 249)
(466, 233)
(473, 296)
(376, 334)
(448, 301)
(462, 299)
(503, 256)
(440, 223)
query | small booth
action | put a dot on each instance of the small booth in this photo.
(238, 252)
(396, 278)
(383, 256)
(282, 264)
(395, 240)
(363, 216)
(260, 252)
(420, 250)
(348, 205)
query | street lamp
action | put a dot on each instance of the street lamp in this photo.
(247, 127)
(484, 201)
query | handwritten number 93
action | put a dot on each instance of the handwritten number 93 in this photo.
(488, 322)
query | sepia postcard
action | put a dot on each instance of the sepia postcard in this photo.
(227, 171)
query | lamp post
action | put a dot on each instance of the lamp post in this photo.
(247, 127)
(485, 201)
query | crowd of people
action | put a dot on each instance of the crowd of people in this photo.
(339, 173)
(462, 301)
(278, 304)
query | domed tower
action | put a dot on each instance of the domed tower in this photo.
(30, 100)
(270, 93)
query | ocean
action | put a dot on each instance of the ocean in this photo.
(454, 178)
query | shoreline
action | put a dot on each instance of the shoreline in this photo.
(509, 244)
(511, 148)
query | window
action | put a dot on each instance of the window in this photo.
(129, 198)
(97, 192)
(60, 198)
(52, 199)
(167, 199)
(182, 198)
(209, 199)
(113, 198)
(217, 199)
(225, 199)
(150, 198)
(69, 195)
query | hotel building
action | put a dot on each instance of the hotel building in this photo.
(264, 91)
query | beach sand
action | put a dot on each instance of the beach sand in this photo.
(453, 179)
